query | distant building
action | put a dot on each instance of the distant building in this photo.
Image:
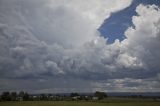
(34, 97)
(19, 98)
(76, 98)
(94, 98)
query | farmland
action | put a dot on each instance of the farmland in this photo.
(107, 102)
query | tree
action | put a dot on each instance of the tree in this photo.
(100, 95)
(74, 94)
(6, 96)
(13, 96)
(26, 96)
(43, 97)
(21, 94)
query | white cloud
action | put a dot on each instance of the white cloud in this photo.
(143, 41)
(68, 23)
(52, 66)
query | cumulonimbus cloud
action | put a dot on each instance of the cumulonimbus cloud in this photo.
(59, 38)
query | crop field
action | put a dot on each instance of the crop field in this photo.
(84, 103)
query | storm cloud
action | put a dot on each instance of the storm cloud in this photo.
(54, 46)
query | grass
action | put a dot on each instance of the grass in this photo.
(107, 102)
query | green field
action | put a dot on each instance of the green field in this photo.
(81, 103)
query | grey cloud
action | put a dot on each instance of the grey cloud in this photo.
(44, 43)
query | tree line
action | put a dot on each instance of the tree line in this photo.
(24, 96)
(14, 96)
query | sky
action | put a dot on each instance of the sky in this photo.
(63, 46)
(117, 26)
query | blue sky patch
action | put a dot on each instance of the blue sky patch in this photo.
(114, 27)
